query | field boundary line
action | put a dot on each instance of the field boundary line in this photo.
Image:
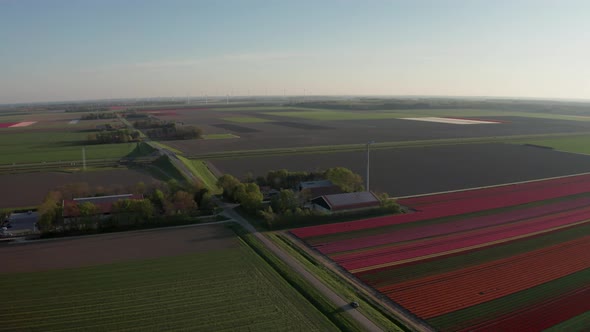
(491, 186)
(66, 238)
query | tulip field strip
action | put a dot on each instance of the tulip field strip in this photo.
(542, 315)
(438, 246)
(428, 297)
(506, 257)
(221, 290)
(486, 312)
(458, 225)
(396, 274)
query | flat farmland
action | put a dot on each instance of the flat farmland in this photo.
(191, 278)
(496, 259)
(59, 145)
(412, 171)
(286, 132)
(30, 189)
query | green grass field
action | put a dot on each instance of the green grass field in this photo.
(246, 119)
(223, 290)
(575, 144)
(35, 147)
(333, 115)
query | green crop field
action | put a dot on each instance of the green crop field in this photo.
(222, 290)
(35, 147)
(575, 144)
(246, 119)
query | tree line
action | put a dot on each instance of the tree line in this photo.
(113, 136)
(99, 116)
(158, 129)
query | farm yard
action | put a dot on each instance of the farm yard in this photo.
(412, 171)
(503, 258)
(197, 278)
(29, 189)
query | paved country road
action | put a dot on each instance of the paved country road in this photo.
(363, 321)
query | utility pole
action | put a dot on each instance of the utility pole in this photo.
(84, 158)
(368, 164)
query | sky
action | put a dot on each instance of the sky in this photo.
(77, 50)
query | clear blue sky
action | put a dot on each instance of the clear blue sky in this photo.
(72, 50)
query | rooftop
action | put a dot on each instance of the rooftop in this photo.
(349, 201)
(315, 184)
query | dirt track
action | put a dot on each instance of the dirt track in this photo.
(111, 248)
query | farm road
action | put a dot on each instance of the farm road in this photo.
(363, 321)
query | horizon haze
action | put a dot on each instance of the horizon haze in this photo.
(88, 50)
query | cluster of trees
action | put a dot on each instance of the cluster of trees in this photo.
(162, 202)
(155, 128)
(247, 194)
(97, 116)
(113, 136)
(89, 108)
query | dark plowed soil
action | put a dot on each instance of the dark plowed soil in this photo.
(110, 248)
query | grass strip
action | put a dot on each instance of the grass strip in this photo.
(201, 171)
(369, 308)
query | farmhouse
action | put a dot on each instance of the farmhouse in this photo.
(346, 201)
(103, 203)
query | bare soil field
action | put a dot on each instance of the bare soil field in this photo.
(29, 189)
(412, 171)
(110, 248)
(298, 133)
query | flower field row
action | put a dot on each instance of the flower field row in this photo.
(504, 258)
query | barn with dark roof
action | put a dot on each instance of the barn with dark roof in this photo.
(347, 201)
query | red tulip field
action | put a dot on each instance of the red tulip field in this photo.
(506, 258)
